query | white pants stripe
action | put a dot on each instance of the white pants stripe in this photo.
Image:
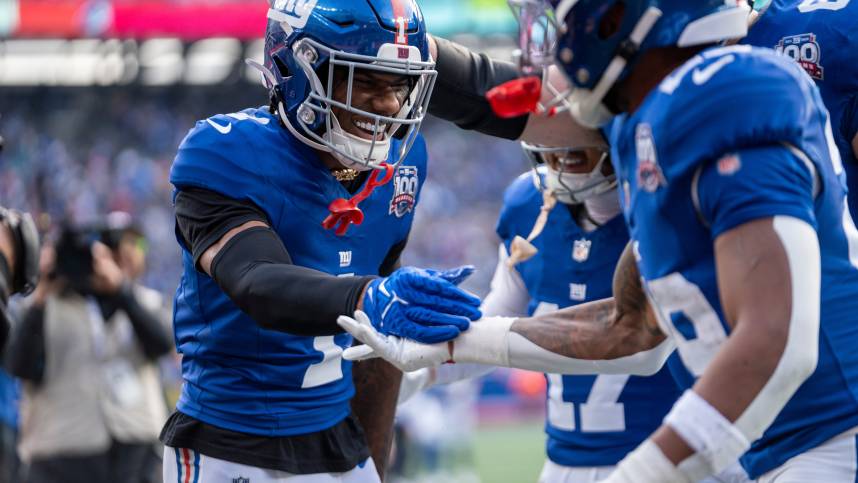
(183, 465)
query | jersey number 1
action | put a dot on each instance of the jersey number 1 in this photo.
(330, 368)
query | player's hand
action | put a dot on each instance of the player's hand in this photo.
(423, 305)
(406, 355)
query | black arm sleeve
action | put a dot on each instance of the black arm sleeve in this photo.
(26, 352)
(255, 270)
(155, 339)
(203, 217)
(464, 77)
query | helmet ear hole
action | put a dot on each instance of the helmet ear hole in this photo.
(612, 20)
(281, 66)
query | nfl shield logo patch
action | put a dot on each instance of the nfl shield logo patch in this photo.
(404, 191)
(581, 250)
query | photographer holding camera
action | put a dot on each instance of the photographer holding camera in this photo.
(86, 350)
(19, 252)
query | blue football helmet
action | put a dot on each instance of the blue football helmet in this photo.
(307, 41)
(595, 60)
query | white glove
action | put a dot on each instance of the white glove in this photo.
(406, 355)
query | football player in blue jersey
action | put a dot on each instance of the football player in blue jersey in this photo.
(733, 190)
(264, 209)
(822, 36)
(592, 421)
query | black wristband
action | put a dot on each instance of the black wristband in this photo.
(464, 77)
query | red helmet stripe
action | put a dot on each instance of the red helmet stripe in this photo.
(401, 14)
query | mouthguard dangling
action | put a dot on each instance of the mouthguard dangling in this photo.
(345, 212)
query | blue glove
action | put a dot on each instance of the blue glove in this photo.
(423, 305)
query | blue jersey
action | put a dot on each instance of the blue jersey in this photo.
(238, 375)
(719, 143)
(591, 420)
(822, 36)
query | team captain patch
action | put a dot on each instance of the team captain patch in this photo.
(404, 191)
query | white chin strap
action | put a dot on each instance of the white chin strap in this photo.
(585, 104)
(373, 153)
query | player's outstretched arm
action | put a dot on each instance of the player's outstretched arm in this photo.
(605, 329)
(599, 337)
(231, 241)
(464, 77)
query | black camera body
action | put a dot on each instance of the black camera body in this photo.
(74, 251)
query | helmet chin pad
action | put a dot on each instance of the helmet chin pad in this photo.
(372, 152)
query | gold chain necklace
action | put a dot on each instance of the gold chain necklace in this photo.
(344, 174)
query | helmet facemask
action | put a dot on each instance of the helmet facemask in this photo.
(317, 124)
(568, 186)
(538, 31)
(537, 35)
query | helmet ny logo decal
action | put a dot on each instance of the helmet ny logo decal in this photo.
(297, 11)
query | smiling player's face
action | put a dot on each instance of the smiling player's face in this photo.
(382, 94)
